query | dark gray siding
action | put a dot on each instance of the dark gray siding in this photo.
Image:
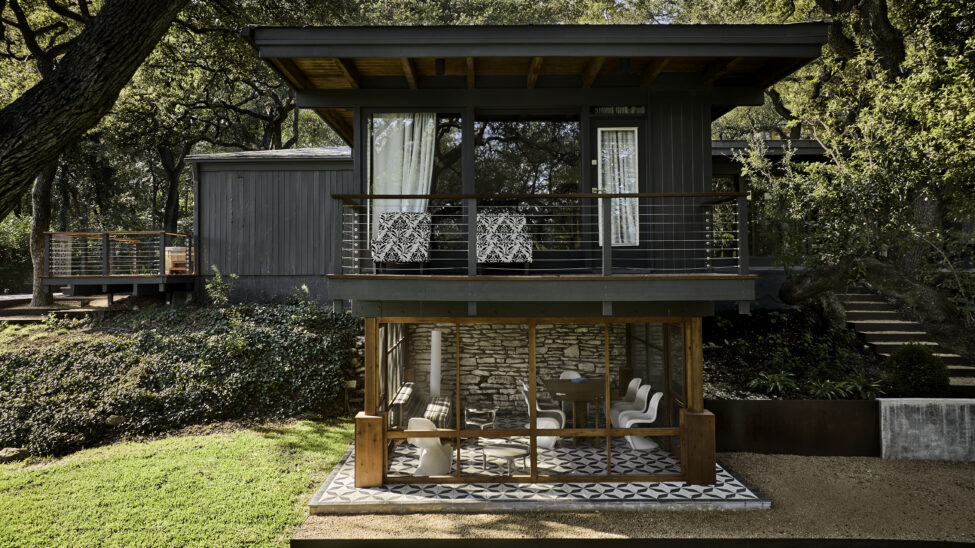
(275, 226)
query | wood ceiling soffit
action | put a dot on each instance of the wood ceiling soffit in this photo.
(533, 71)
(293, 73)
(592, 70)
(654, 68)
(338, 123)
(347, 67)
(409, 70)
(470, 73)
(778, 69)
(718, 68)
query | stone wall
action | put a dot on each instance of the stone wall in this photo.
(493, 357)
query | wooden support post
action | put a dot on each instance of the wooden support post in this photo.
(369, 450)
(697, 457)
(532, 399)
(693, 365)
(371, 350)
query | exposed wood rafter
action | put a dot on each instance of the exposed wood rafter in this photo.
(654, 68)
(533, 71)
(592, 70)
(292, 72)
(470, 73)
(718, 68)
(351, 74)
(409, 70)
(338, 122)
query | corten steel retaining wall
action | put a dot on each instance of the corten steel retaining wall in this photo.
(800, 427)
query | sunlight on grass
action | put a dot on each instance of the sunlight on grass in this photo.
(247, 487)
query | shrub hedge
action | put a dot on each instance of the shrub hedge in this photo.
(914, 371)
(165, 368)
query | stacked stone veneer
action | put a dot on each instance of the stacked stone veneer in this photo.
(493, 357)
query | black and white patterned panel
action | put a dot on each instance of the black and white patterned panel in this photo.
(503, 238)
(402, 237)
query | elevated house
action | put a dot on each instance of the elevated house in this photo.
(529, 225)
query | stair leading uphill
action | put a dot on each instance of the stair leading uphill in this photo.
(886, 329)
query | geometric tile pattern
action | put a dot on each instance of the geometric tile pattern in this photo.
(339, 494)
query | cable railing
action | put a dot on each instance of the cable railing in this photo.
(595, 234)
(153, 253)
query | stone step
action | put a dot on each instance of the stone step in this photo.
(853, 315)
(961, 371)
(885, 325)
(861, 306)
(860, 297)
(962, 387)
(948, 359)
(892, 336)
(21, 320)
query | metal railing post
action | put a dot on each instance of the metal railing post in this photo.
(606, 228)
(470, 210)
(162, 253)
(105, 261)
(743, 259)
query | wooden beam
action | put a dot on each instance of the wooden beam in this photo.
(718, 68)
(533, 70)
(470, 73)
(653, 69)
(370, 450)
(351, 74)
(409, 70)
(592, 70)
(292, 72)
(371, 351)
(335, 119)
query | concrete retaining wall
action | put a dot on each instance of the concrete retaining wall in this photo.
(933, 429)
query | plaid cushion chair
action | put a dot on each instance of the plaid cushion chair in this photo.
(438, 411)
(402, 237)
(503, 238)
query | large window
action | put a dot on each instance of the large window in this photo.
(520, 155)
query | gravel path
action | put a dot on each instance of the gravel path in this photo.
(812, 497)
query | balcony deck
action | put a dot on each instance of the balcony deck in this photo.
(119, 262)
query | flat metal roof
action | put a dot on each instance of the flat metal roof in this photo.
(340, 153)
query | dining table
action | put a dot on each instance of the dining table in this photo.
(580, 393)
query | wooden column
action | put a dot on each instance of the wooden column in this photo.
(693, 365)
(697, 447)
(371, 350)
(369, 451)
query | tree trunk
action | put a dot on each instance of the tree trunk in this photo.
(36, 127)
(173, 165)
(41, 223)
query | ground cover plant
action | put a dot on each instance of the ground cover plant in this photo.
(70, 385)
(788, 353)
(245, 487)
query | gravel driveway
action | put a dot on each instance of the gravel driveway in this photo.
(812, 497)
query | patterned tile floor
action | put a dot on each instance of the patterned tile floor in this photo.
(339, 494)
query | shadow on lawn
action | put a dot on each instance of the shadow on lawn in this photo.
(331, 436)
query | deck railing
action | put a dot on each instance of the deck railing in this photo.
(84, 254)
(469, 234)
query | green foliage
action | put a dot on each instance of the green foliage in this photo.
(164, 368)
(780, 384)
(242, 488)
(829, 390)
(914, 371)
(15, 263)
(791, 353)
(219, 288)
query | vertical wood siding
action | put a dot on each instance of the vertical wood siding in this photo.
(271, 222)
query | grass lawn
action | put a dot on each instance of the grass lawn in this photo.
(225, 489)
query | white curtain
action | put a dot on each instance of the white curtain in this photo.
(618, 175)
(402, 160)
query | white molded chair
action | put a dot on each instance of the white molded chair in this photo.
(554, 414)
(630, 392)
(631, 419)
(547, 442)
(569, 374)
(435, 456)
(546, 405)
(639, 403)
